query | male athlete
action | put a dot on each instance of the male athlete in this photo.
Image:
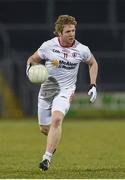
(63, 54)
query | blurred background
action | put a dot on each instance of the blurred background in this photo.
(26, 24)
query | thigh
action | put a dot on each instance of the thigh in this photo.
(44, 112)
(62, 101)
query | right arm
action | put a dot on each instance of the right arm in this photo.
(34, 59)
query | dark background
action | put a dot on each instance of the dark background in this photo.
(26, 24)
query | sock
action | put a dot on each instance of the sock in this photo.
(47, 156)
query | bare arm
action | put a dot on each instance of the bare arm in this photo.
(34, 59)
(93, 70)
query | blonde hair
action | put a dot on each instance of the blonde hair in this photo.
(63, 20)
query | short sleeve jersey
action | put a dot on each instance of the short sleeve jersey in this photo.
(63, 62)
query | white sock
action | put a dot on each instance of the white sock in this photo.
(47, 156)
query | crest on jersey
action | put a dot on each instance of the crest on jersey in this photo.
(55, 62)
(74, 54)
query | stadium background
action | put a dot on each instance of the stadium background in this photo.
(25, 24)
(91, 148)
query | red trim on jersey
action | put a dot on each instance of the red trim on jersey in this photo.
(66, 46)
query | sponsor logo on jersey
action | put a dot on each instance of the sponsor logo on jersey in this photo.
(55, 62)
(56, 51)
(67, 65)
(63, 64)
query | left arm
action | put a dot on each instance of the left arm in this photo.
(93, 70)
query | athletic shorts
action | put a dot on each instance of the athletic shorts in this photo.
(60, 102)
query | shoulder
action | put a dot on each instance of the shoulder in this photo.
(50, 42)
(43, 50)
(81, 47)
(83, 50)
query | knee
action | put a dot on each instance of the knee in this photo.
(57, 122)
(44, 130)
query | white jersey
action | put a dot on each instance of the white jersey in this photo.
(62, 63)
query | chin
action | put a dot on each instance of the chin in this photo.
(71, 41)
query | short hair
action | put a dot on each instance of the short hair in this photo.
(63, 20)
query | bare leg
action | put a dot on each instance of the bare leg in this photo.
(55, 131)
(45, 130)
(53, 139)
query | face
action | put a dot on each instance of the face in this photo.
(67, 37)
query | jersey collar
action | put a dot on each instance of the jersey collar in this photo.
(65, 46)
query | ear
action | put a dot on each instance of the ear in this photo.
(59, 33)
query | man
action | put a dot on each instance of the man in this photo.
(63, 55)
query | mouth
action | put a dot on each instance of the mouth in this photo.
(71, 39)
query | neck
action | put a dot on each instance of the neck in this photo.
(65, 44)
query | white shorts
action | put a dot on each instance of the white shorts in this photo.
(61, 103)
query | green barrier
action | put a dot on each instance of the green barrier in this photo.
(78, 114)
(107, 105)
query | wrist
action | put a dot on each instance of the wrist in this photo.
(91, 85)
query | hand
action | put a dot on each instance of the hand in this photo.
(92, 92)
(28, 66)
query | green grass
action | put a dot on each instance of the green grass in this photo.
(88, 150)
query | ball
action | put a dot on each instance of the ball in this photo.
(38, 74)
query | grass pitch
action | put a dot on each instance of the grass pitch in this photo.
(89, 149)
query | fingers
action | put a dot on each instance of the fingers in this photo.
(27, 68)
(92, 92)
(93, 98)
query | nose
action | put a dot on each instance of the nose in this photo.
(72, 33)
